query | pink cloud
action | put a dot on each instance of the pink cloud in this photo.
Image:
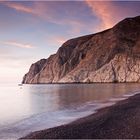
(60, 40)
(105, 11)
(20, 7)
(56, 40)
(41, 10)
(17, 44)
(37, 9)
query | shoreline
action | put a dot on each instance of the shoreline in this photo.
(70, 83)
(120, 120)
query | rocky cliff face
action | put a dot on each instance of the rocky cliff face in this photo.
(109, 56)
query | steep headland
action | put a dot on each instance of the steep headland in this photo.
(109, 56)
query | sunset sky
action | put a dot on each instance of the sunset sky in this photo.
(30, 31)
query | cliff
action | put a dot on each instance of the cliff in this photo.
(109, 56)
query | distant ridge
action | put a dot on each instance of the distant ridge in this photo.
(109, 56)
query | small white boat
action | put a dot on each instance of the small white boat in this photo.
(20, 84)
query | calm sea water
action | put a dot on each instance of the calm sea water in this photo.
(34, 107)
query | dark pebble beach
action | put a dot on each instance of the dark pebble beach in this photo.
(120, 121)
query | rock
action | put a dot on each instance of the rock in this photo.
(34, 70)
(109, 56)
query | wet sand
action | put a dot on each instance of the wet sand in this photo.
(120, 121)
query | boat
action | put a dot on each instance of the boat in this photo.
(20, 84)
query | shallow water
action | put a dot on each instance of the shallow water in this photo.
(33, 107)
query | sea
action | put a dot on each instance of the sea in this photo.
(28, 108)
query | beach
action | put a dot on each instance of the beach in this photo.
(120, 121)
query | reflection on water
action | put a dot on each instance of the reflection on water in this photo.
(35, 107)
(57, 97)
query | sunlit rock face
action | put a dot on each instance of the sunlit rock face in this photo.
(109, 56)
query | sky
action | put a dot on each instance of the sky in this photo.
(32, 30)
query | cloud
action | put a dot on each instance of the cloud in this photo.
(55, 40)
(69, 13)
(60, 40)
(20, 7)
(50, 12)
(17, 44)
(38, 9)
(104, 10)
